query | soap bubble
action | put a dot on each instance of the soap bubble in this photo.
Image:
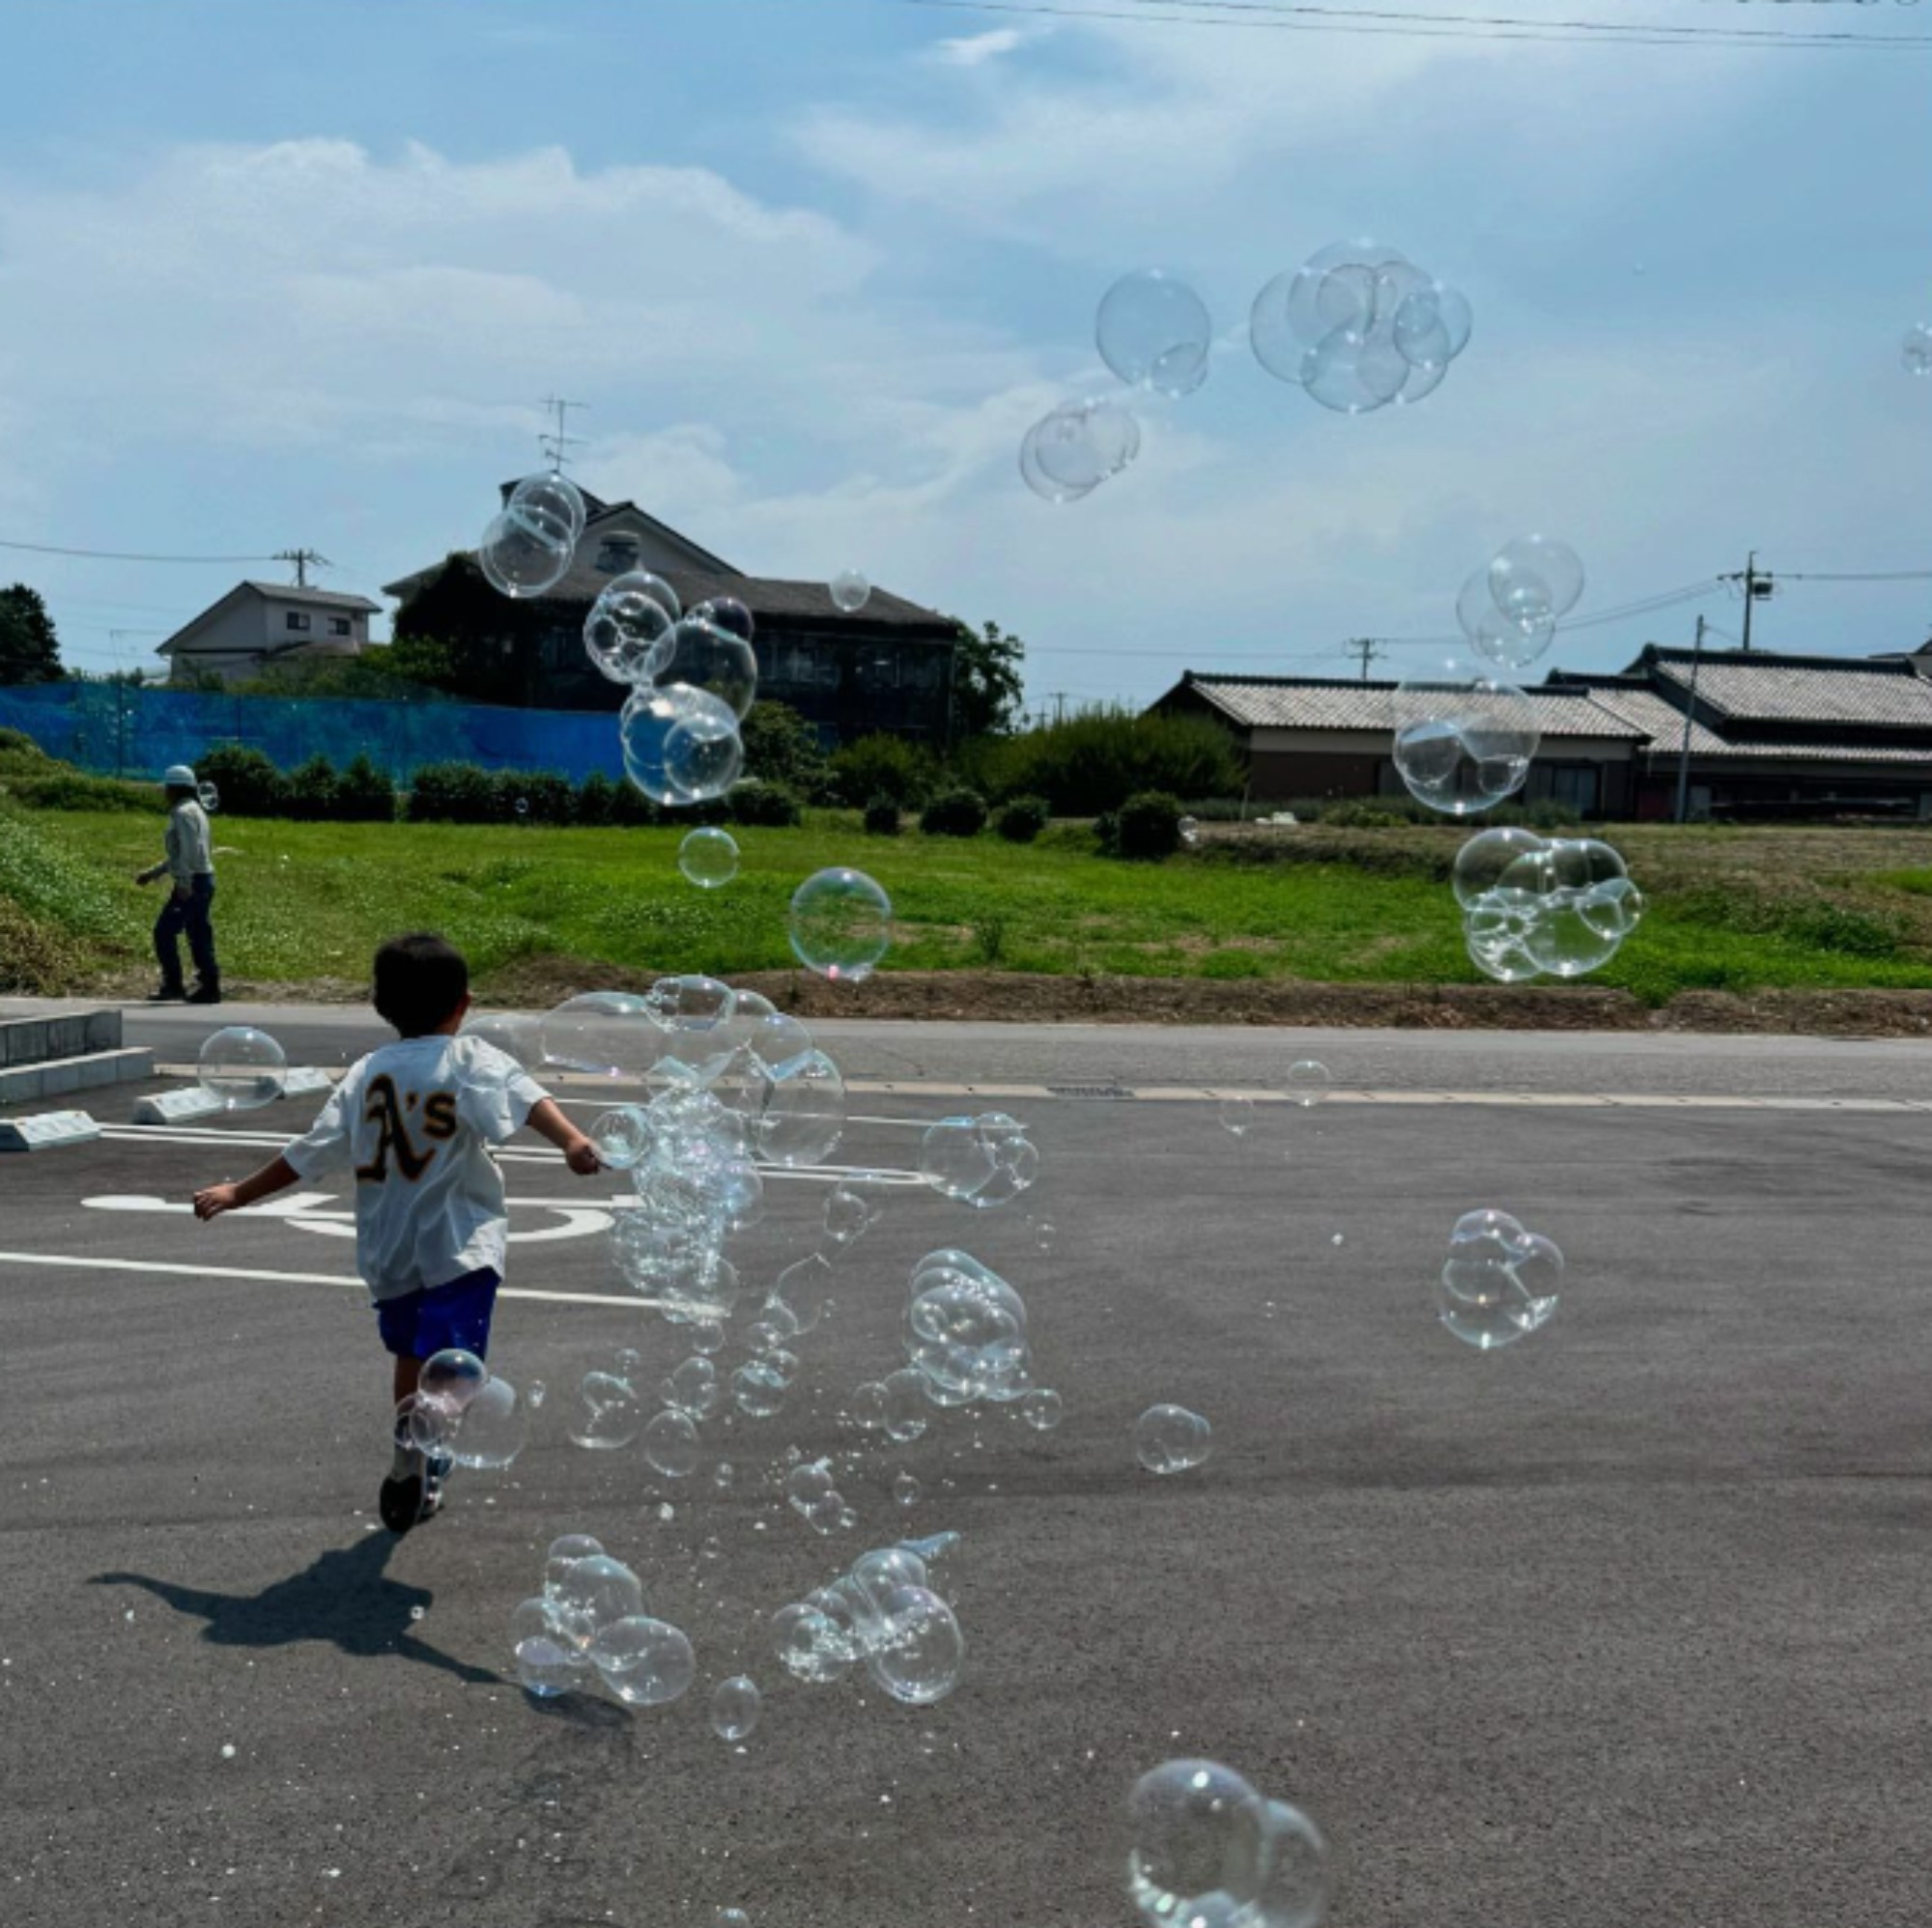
(452, 1374)
(552, 504)
(735, 1707)
(241, 1068)
(1171, 1439)
(608, 1417)
(850, 591)
(801, 1292)
(848, 1215)
(1198, 1833)
(1190, 832)
(1481, 863)
(1495, 931)
(645, 1662)
(1916, 353)
(1463, 739)
(757, 1389)
(1353, 374)
(681, 745)
(545, 1667)
(1308, 1082)
(1237, 1116)
(607, 1033)
(728, 614)
(563, 1553)
(810, 1644)
(1563, 940)
(1036, 476)
(806, 1485)
(210, 797)
(1535, 579)
(954, 1158)
(706, 656)
(1499, 1283)
(1155, 332)
(627, 634)
(708, 858)
(1295, 1873)
(841, 924)
(905, 1415)
(494, 1428)
(802, 1112)
(622, 1138)
(596, 1592)
(519, 560)
(1082, 444)
(915, 1649)
(671, 1444)
(732, 1917)
(1041, 1408)
(906, 1488)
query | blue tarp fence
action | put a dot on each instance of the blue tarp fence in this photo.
(113, 730)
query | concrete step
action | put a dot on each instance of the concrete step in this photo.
(61, 1077)
(74, 1032)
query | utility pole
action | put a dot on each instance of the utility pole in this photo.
(1366, 648)
(1759, 586)
(305, 560)
(1683, 754)
(1058, 698)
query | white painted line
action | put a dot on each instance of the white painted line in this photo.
(287, 1278)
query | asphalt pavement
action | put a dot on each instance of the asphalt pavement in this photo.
(1623, 1624)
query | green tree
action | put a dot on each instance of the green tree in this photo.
(457, 634)
(29, 648)
(987, 680)
(782, 747)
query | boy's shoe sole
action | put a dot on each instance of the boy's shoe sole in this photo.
(168, 995)
(400, 1503)
(202, 998)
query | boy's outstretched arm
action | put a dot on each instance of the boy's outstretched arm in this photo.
(276, 1176)
(547, 1121)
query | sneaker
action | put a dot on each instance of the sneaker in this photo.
(204, 994)
(168, 994)
(400, 1503)
(437, 1468)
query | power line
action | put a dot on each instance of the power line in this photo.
(122, 556)
(1439, 27)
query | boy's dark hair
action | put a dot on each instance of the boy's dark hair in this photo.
(420, 980)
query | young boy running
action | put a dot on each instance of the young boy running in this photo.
(415, 1120)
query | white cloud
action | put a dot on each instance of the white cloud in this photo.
(977, 49)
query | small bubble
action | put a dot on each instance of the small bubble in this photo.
(415, 1613)
(536, 1393)
(905, 1490)
(228, 1751)
(1336, 1240)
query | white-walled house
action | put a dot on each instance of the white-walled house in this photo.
(260, 623)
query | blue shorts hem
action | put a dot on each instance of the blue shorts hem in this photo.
(456, 1315)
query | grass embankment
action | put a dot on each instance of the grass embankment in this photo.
(304, 904)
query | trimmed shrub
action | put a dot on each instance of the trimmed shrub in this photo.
(766, 806)
(1095, 761)
(883, 766)
(1023, 819)
(596, 800)
(547, 798)
(452, 793)
(1149, 826)
(311, 792)
(250, 786)
(364, 794)
(956, 813)
(631, 809)
(1107, 833)
(782, 747)
(882, 817)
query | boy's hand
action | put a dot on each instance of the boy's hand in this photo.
(582, 1159)
(214, 1200)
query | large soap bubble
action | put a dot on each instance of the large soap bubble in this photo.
(681, 745)
(1081, 444)
(243, 1068)
(708, 858)
(850, 591)
(627, 634)
(1531, 906)
(518, 560)
(841, 924)
(1171, 1439)
(1499, 1283)
(1196, 1832)
(1916, 352)
(645, 1662)
(1156, 332)
(552, 505)
(1463, 739)
(1481, 863)
(1535, 579)
(1038, 480)
(707, 656)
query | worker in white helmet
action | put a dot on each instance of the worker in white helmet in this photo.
(189, 867)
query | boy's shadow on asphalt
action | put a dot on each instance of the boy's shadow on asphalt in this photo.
(342, 1598)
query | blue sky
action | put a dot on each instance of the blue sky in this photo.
(296, 272)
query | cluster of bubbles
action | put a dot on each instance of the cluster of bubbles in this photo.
(463, 1411)
(883, 1614)
(590, 1624)
(1358, 327)
(527, 548)
(1534, 906)
(1464, 738)
(1499, 1283)
(985, 1161)
(241, 1068)
(1171, 1439)
(1510, 607)
(1916, 353)
(964, 1334)
(1207, 1847)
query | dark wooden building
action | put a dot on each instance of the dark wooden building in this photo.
(887, 667)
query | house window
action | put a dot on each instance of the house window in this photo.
(617, 553)
(1575, 784)
(297, 620)
(338, 625)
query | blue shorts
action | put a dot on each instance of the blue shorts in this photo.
(456, 1315)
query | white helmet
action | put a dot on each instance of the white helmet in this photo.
(179, 777)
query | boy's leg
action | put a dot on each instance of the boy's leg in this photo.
(400, 1502)
(457, 1317)
(168, 928)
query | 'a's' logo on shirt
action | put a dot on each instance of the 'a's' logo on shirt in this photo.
(383, 1109)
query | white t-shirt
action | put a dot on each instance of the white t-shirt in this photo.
(416, 1120)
